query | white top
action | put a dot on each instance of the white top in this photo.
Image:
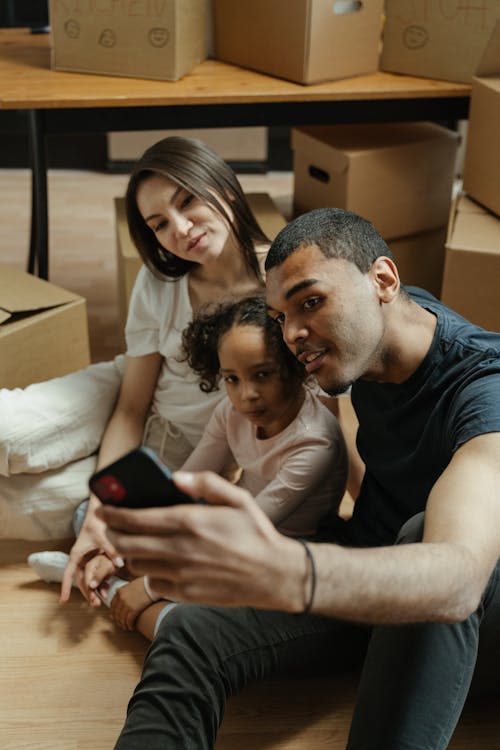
(296, 477)
(158, 313)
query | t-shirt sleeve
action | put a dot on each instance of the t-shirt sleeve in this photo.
(475, 409)
(212, 452)
(301, 471)
(142, 333)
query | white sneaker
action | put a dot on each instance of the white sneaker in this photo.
(49, 566)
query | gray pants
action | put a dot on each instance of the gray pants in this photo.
(420, 674)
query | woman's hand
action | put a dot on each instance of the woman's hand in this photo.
(225, 552)
(91, 542)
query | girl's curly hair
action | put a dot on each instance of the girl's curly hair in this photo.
(200, 340)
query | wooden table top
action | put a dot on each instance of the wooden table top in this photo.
(27, 82)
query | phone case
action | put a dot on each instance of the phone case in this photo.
(137, 480)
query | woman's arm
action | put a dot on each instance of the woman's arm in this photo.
(123, 433)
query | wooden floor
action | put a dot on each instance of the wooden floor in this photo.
(66, 673)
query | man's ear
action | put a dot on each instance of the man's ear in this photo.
(385, 276)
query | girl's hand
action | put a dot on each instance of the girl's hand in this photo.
(128, 603)
(91, 541)
(99, 568)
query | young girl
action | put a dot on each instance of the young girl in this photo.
(199, 241)
(287, 443)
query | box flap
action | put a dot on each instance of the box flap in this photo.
(468, 206)
(475, 232)
(462, 204)
(267, 213)
(452, 217)
(490, 61)
(22, 292)
(360, 138)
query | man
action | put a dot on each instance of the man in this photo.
(418, 561)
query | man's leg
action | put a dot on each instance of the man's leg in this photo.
(416, 677)
(203, 655)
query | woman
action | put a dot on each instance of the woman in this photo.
(199, 241)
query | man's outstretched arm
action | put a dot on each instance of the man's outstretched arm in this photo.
(228, 553)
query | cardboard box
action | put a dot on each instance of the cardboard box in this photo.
(231, 144)
(129, 262)
(420, 259)
(302, 40)
(437, 39)
(397, 175)
(482, 154)
(472, 264)
(161, 39)
(43, 329)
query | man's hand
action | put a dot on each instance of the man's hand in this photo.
(225, 552)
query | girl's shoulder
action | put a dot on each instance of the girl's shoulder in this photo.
(315, 411)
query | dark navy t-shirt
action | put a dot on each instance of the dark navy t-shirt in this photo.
(409, 432)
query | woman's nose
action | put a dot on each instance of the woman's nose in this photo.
(180, 225)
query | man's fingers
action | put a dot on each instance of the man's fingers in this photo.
(212, 488)
(152, 547)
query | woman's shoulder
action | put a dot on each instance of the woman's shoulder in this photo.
(159, 287)
(261, 252)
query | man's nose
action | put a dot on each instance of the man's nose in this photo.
(293, 332)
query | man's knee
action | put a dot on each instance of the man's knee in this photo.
(203, 632)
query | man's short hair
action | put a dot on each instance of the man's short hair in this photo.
(336, 232)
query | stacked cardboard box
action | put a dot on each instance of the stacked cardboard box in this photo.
(43, 329)
(129, 262)
(162, 40)
(398, 176)
(437, 39)
(472, 266)
(482, 155)
(305, 41)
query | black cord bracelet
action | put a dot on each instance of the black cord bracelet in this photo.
(310, 557)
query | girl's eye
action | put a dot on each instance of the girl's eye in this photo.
(280, 319)
(230, 379)
(265, 374)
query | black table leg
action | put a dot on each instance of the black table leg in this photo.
(39, 243)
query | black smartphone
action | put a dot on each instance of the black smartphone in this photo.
(137, 480)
